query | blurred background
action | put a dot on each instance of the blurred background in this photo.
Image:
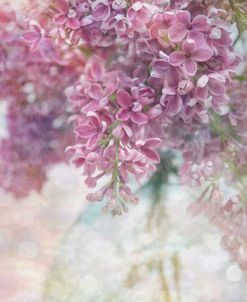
(54, 246)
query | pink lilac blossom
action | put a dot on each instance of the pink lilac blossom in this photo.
(126, 104)
(186, 72)
(158, 76)
(36, 106)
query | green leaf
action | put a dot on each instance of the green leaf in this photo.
(241, 20)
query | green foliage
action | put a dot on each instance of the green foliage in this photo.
(241, 19)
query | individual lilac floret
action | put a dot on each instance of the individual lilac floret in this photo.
(190, 56)
(66, 15)
(129, 109)
(185, 25)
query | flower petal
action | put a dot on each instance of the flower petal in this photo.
(93, 140)
(62, 6)
(152, 155)
(184, 17)
(152, 143)
(59, 19)
(216, 87)
(200, 23)
(95, 91)
(127, 130)
(198, 37)
(177, 32)
(101, 12)
(201, 93)
(190, 66)
(188, 46)
(154, 112)
(124, 99)
(203, 80)
(94, 120)
(31, 36)
(35, 26)
(73, 23)
(85, 131)
(202, 54)
(174, 105)
(138, 118)
(122, 114)
(95, 70)
(176, 58)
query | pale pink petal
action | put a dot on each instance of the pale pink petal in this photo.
(31, 36)
(189, 45)
(216, 87)
(91, 106)
(77, 97)
(174, 105)
(137, 107)
(117, 132)
(233, 119)
(92, 158)
(144, 15)
(163, 100)
(177, 32)
(35, 26)
(203, 80)
(139, 26)
(198, 37)
(156, 29)
(200, 23)
(176, 58)
(93, 140)
(215, 33)
(62, 6)
(190, 66)
(85, 131)
(127, 130)
(170, 90)
(218, 77)
(184, 87)
(78, 162)
(184, 17)
(73, 23)
(152, 143)
(95, 91)
(124, 99)
(202, 54)
(91, 182)
(152, 155)
(122, 115)
(59, 19)
(124, 173)
(35, 45)
(138, 118)
(154, 112)
(201, 93)
(94, 120)
(101, 12)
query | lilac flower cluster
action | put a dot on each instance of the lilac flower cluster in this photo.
(33, 90)
(217, 160)
(159, 75)
(150, 67)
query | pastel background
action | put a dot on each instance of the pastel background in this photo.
(54, 246)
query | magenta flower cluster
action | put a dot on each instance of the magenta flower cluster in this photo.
(151, 68)
(33, 91)
(141, 77)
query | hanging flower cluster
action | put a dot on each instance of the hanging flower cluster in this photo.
(158, 75)
(33, 90)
